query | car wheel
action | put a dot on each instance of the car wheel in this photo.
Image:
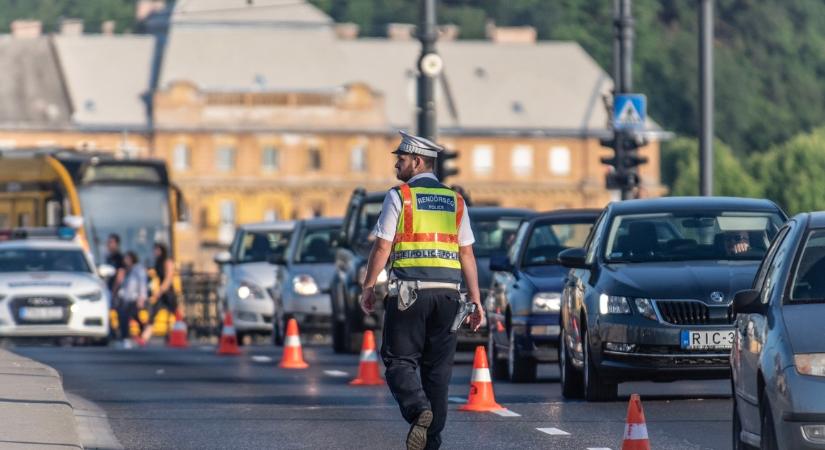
(352, 340)
(498, 366)
(569, 378)
(522, 369)
(738, 444)
(596, 389)
(768, 432)
(240, 336)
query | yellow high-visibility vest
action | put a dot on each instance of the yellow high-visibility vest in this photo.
(425, 247)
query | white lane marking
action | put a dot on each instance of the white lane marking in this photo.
(160, 371)
(336, 373)
(261, 358)
(554, 431)
(457, 399)
(506, 413)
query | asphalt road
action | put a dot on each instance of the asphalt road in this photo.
(163, 398)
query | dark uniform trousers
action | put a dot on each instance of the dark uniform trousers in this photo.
(419, 337)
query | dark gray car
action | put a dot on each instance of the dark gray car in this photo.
(778, 356)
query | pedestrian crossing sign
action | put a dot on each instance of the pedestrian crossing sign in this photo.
(629, 111)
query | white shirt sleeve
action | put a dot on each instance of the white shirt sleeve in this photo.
(388, 220)
(465, 232)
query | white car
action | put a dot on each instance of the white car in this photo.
(49, 288)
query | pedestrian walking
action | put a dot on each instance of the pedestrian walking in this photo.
(132, 294)
(114, 258)
(424, 231)
(164, 297)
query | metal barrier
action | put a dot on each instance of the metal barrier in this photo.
(200, 301)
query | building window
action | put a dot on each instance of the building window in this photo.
(483, 159)
(181, 157)
(226, 158)
(314, 159)
(270, 215)
(522, 160)
(358, 159)
(271, 159)
(559, 161)
(226, 229)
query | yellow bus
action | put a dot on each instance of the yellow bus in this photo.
(95, 193)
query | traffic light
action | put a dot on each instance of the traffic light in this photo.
(443, 169)
(625, 161)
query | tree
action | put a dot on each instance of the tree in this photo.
(680, 170)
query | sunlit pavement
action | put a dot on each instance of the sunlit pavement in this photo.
(166, 398)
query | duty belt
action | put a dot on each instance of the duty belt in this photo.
(407, 291)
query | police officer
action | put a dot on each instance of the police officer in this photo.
(425, 232)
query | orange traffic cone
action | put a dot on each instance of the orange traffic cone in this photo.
(635, 431)
(229, 340)
(499, 325)
(293, 355)
(178, 339)
(481, 396)
(368, 368)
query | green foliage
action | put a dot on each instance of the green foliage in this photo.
(93, 13)
(680, 170)
(792, 173)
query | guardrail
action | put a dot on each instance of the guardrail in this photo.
(200, 302)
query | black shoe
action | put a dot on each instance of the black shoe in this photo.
(417, 437)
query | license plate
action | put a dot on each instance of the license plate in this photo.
(44, 313)
(707, 340)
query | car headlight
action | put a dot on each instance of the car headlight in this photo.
(247, 290)
(90, 297)
(645, 308)
(304, 285)
(613, 304)
(546, 302)
(810, 364)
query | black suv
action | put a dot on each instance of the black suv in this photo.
(348, 320)
(649, 297)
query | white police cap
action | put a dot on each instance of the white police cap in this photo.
(417, 145)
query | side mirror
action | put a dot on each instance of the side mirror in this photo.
(573, 258)
(500, 263)
(106, 271)
(222, 258)
(747, 302)
(276, 259)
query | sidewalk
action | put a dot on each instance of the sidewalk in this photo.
(34, 412)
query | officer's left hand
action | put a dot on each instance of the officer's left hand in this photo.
(368, 300)
(476, 318)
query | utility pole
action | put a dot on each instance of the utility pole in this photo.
(426, 80)
(706, 86)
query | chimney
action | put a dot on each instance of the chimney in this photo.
(145, 8)
(26, 29)
(71, 27)
(400, 31)
(448, 32)
(346, 31)
(511, 35)
(107, 27)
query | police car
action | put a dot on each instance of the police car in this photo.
(49, 288)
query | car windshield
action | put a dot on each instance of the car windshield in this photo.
(43, 260)
(256, 246)
(550, 238)
(493, 235)
(317, 246)
(809, 281)
(701, 235)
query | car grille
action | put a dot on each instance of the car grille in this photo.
(694, 312)
(41, 302)
(672, 360)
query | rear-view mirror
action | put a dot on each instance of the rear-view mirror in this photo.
(223, 258)
(500, 263)
(573, 258)
(747, 302)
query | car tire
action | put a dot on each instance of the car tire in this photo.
(768, 431)
(240, 336)
(596, 389)
(521, 369)
(498, 366)
(738, 443)
(570, 379)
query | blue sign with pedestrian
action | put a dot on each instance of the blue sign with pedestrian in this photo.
(629, 111)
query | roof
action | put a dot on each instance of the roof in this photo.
(323, 222)
(815, 219)
(31, 90)
(689, 204)
(107, 78)
(281, 225)
(583, 213)
(491, 212)
(246, 12)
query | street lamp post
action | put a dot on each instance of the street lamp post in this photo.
(706, 84)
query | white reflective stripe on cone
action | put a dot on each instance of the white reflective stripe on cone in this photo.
(481, 375)
(228, 330)
(292, 341)
(369, 355)
(635, 431)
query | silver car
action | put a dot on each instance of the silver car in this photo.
(248, 276)
(304, 276)
(49, 288)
